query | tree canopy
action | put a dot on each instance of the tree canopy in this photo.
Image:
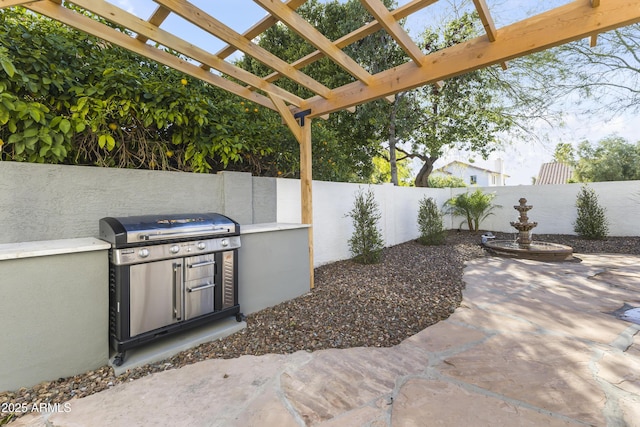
(608, 72)
(466, 112)
(611, 159)
(66, 97)
(350, 140)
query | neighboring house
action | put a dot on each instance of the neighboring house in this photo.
(554, 173)
(474, 175)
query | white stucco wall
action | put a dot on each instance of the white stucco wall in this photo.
(553, 208)
(331, 203)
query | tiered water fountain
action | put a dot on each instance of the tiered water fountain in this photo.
(523, 246)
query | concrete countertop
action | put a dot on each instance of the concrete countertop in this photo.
(51, 247)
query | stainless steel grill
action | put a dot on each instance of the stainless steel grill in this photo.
(169, 273)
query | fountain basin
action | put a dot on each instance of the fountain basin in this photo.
(537, 251)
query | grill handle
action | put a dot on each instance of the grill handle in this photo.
(177, 291)
(201, 264)
(159, 235)
(201, 287)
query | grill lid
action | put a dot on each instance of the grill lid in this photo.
(131, 230)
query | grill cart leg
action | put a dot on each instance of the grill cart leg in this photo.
(240, 317)
(118, 360)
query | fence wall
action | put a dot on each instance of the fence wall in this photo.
(55, 291)
(553, 208)
(48, 202)
(333, 201)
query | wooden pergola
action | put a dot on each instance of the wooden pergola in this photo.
(574, 20)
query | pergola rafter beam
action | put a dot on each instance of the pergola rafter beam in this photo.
(394, 29)
(485, 18)
(564, 24)
(90, 26)
(594, 37)
(487, 23)
(305, 30)
(149, 31)
(359, 34)
(9, 3)
(159, 15)
(263, 25)
(211, 25)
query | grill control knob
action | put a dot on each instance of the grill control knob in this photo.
(174, 249)
(224, 243)
(144, 252)
(202, 245)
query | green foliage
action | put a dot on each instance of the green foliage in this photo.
(382, 172)
(346, 143)
(66, 97)
(564, 153)
(591, 222)
(466, 113)
(475, 207)
(447, 181)
(430, 223)
(366, 243)
(612, 159)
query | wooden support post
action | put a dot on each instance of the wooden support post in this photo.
(300, 126)
(306, 182)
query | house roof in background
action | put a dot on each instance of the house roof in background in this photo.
(457, 163)
(554, 173)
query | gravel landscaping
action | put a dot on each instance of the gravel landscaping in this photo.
(352, 305)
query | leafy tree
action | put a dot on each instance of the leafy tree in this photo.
(591, 222)
(430, 223)
(608, 72)
(352, 139)
(366, 243)
(564, 153)
(464, 113)
(611, 159)
(474, 207)
(67, 97)
(382, 172)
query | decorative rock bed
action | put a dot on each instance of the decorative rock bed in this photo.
(352, 305)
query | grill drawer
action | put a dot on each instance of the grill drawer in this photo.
(199, 267)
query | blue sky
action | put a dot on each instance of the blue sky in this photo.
(522, 159)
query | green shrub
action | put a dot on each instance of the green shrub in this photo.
(366, 243)
(430, 223)
(474, 207)
(447, 181)
(592, 221)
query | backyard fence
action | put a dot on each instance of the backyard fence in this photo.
(553, 209)
(43, 202)
(54, 270)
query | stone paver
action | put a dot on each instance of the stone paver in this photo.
(533, 344)
(423, 402)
